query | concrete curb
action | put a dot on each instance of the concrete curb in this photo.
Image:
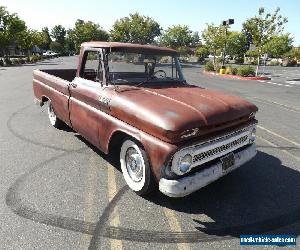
(255, 78)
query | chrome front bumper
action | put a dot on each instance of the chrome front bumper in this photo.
(187, 185)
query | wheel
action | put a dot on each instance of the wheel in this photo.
(161, 71)
(54, 120)
(135, 167)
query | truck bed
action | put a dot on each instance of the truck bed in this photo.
(66, 74)
(53, 85)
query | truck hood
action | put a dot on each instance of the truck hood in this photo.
(168, 112)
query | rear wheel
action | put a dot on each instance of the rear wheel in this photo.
(54, 120)
(135, 167)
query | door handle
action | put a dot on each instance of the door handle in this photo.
(73, 84)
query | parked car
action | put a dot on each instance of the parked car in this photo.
(165, 131)
(49, 53)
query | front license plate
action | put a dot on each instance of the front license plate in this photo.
(227, 161)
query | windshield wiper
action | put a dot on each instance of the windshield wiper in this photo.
(162, 79)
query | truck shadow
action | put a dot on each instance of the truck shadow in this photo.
(262, 196)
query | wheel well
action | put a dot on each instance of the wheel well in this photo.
(116, 142)
(117, 139)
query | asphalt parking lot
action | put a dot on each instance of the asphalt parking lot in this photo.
(59, 192)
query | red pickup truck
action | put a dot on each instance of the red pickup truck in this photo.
(134, 98)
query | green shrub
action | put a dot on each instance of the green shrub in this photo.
(1, 62)
(209, 66)
(234, 71)
(22, 60)
(228, 70)
(38, 57)
(7, 61)
(245, 71)
(33, 59)
(15, 61)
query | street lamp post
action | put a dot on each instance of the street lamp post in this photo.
(226, 24)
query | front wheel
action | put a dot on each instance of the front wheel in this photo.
(135, 167)
(54, 120)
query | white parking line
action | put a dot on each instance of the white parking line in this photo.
(293, 82)
(277, 103)
(276, 146)
(274, 83)
(280, 136)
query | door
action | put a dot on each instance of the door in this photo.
(85, 91)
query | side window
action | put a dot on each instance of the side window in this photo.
(92, 69)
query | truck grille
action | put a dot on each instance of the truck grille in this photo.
(220, 149)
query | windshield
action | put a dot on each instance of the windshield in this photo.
(135, 68)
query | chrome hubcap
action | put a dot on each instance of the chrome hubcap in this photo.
(134, 165)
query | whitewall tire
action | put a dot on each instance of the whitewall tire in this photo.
(135, 167)
(54, 120)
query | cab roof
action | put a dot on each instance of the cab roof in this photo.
(130, 47)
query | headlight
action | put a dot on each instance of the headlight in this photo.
(185, 163)
(253, 135)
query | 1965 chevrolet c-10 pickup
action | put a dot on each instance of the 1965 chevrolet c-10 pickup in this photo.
(134, 99)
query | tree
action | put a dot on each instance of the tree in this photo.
(214, 38)
(277, 46)
(46, 38)
(202, 52)
(59, 34)
(25, 41)
(12, 25)
(83, 32)
(4, 34)
(236, 44)
(69, 43)
(263, 27)
(179, 37)
(56, 47)
(135, 29)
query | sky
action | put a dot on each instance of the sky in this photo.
(194, 13)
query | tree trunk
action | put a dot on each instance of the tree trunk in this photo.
(257, 67)
(26, 52)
